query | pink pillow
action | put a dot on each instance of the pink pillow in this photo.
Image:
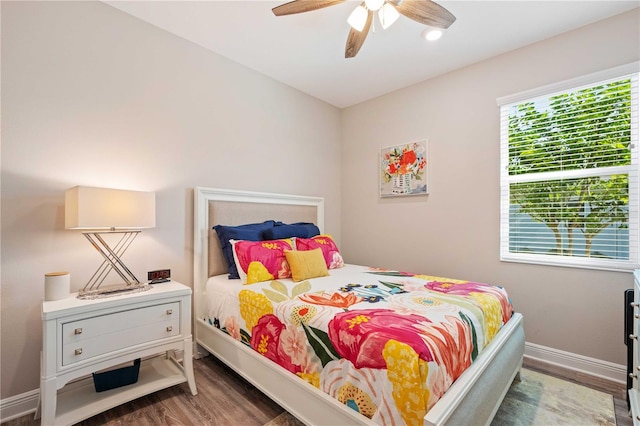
(330, 251)
(259, 261)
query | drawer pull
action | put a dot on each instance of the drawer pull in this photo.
(169, 328)
(78, 351)
(637, 316)
(633, 375)
(77, 331)
(169, 311)
(633, 337)
(634, 304)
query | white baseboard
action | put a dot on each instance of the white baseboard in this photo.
(26, 403)
(574, 362)
(19, 405)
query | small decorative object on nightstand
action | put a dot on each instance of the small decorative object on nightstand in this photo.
(81, 337)
(56, 285)
(159, 276)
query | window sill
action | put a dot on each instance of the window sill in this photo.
(582, 263)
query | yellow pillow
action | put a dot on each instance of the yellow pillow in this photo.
(306, 264)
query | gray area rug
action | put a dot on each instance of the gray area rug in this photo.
(537, 399)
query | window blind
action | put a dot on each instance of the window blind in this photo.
(569, 175)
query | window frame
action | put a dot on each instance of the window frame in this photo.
(633, 171)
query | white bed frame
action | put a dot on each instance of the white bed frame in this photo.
(474, 398)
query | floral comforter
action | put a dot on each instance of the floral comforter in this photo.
(387, 344)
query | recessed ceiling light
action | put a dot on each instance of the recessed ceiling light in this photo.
(432, 34)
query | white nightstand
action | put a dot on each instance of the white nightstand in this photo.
(84, 336)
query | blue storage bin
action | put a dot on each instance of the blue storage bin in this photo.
(116, 378)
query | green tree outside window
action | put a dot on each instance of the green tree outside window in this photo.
(586, 132)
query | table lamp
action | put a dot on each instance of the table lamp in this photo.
(103, 211)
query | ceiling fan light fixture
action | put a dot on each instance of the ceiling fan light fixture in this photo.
(362, 19)
(358, 18)
(388, 15)
(432, 34)
(374, 4)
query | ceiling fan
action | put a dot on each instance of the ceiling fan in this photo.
(423, 11)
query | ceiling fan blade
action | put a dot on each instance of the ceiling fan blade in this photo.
(426, 12)
(299, 6)
(356, 38)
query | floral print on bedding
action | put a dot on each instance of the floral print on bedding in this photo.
(387, 344)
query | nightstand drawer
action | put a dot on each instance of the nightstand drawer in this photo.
(94, 336)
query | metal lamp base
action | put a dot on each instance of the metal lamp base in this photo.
(111, 262)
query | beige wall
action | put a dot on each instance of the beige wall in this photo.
(454, 231)
(92, 96)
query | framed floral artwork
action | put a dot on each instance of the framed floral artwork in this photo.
(403, 170)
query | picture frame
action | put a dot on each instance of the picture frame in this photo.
(404, 170)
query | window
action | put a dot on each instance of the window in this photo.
(569, 173)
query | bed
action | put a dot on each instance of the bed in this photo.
(474, 396)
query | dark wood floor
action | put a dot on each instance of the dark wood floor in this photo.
(224, 398)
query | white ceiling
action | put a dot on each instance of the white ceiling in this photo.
(306, 51)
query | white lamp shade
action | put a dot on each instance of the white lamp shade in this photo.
(388, 15)
(358, 18)
(102, 208)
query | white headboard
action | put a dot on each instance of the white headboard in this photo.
(214, 206)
